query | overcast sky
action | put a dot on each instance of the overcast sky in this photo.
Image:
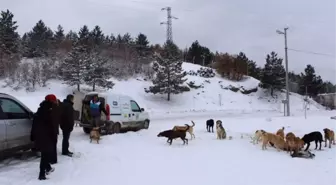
(223, 25)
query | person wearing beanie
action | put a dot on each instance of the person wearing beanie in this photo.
(57, 113)
(67, 123)
(44, 134)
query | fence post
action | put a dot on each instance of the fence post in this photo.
(220, 99)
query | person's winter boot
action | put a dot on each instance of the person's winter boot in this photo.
(42, 176)
(69, 154)
(49, 171)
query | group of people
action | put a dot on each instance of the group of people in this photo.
(50, 116)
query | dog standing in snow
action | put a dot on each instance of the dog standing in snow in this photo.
(257, 136)
(210, 124)
(173, 134)
(329, 135)
(188, 128)
(221, 134)
(95, 135)
(313, 136)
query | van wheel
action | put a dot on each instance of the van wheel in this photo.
(86, 130)
(116, 128)
(146, 124)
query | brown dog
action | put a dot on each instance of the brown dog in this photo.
(190, 129)
(278, 141)
(95, 134)
(281, 132)
(299, 143)
(290, 140)
(329, 135)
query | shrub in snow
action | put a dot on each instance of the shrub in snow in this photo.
(207, 81)
(202, 72)
(241, 89)
(206, 72)
(192, 84)
(192, 73)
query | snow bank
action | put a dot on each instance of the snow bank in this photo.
(210, 98)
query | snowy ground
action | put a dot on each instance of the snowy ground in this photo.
(143, 158)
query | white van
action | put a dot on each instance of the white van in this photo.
(123, 111)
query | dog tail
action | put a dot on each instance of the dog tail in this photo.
(193, 123)
(187, 127)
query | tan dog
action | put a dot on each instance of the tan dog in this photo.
(299, 143)
(278, 141)
(291, 143)
(281, 132)
(221, 134)
(95, 135)
(329, 135)
(257, 136)
(183, 128)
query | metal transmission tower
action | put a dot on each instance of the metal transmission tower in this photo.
(169, 23)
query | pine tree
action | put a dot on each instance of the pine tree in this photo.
(59, 35)
(310, 81)
(97, 37)
(40, 41)
(273, 74)
(84, 38)
(142, 48)
(97, 72)
(9, 43)
(74, 67)
(71, 36)
(169, 76)
(198, 54)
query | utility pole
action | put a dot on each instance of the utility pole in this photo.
(286, 63)
(169, 31)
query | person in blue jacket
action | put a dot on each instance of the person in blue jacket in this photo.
(96, 107)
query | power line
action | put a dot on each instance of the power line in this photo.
(311, 52)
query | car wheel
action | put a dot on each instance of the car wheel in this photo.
(86, 130)
(146, 124)
(116, 128)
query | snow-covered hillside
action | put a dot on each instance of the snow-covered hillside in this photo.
(214, 95)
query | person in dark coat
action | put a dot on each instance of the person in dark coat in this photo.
(57, 115)
(44, 133)
(67, 123)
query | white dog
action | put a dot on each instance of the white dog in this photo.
(257, 136)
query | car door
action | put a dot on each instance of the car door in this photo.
(3, 141)
(135, 112)
(18, 123)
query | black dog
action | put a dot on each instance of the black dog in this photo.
(171, 134)
(210, 124)
(313, 136)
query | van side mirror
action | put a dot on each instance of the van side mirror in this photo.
(142, 109)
